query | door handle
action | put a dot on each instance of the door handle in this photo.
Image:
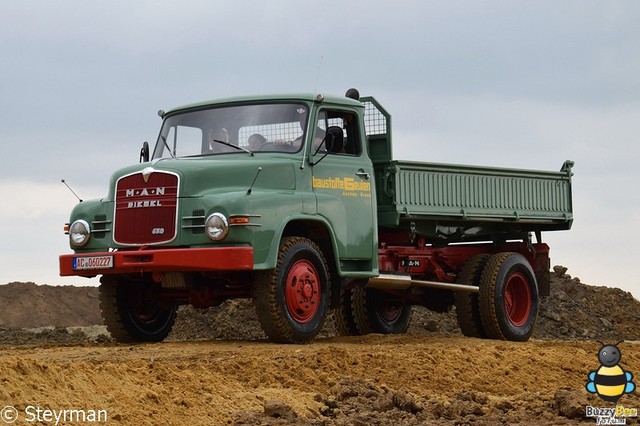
(364, 175)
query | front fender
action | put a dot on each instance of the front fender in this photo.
(300, 221)
(319, 230)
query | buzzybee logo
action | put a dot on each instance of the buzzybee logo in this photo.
(610, 381)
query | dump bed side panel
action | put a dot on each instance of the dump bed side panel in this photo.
(448, 192)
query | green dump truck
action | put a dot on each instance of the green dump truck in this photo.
(295, 201)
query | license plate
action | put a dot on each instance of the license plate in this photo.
(92, 262)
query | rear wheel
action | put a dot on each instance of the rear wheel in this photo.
(467, 308)
(131, 311)
(508, 297)
(292, 300)
(376, 311)
(343, 315)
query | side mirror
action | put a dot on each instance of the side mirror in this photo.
(333, 142)
(144, 152)
(334, 139)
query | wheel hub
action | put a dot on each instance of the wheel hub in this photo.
(307, 291)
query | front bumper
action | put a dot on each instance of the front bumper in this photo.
(157, 260)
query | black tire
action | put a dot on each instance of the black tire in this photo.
(508, 298)
(292, 300)
(375, 311)
(131, 313)
(343, 316)
(467, 308)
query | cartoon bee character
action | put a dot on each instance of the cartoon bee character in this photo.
(610, 381)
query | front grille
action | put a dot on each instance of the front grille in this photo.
(146, 211)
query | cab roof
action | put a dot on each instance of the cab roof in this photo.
(295, 97)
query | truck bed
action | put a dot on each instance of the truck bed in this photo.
(459, 202)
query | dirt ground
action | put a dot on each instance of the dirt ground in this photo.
(218, 368)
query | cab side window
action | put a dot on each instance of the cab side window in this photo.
(339, 129)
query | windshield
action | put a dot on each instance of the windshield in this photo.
(257, 128)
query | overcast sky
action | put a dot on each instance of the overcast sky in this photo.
(499, 83)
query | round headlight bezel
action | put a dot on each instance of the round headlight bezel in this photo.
(79, 233)
(216, 227)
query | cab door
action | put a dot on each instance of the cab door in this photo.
(343, 183)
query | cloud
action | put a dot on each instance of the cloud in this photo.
(33, 216)
(515, 132)
(498, 83)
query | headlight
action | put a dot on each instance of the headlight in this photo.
(79, 233)
(216, 226)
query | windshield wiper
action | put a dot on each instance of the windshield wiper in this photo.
(233, 146)
(164, 140)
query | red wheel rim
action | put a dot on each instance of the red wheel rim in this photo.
(141, 310)
(390, 312)
(302, 291)
(517, 299)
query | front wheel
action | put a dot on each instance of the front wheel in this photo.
(131, 311)
(508, 297)
(292, 300)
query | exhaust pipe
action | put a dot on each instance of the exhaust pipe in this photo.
(403, 282)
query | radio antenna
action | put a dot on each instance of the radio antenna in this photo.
(72, 191)
(315, 89)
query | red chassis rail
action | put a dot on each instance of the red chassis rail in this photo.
(160, 260)
(424, 262)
